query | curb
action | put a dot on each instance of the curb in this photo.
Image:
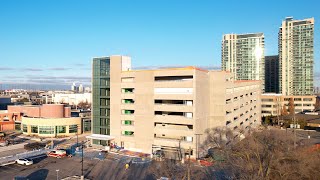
(7, 163)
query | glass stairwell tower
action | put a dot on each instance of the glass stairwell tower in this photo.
(101, 98)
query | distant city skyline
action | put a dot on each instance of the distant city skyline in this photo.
(54, 42)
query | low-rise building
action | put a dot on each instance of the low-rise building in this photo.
(8, 121)
(48, 120)
(273, 104)
(71, 98)
(85, 116)
(4, 102)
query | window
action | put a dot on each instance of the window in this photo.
(127, 101)
(104, 102)
(267, 100)
(24, 128)
(46, 130)
(189, 139)
(127, 90)
(128, 112)
(73, 128)
(61, 129)
(104, 92)
(127, 79)
(188, 115)
(103, 121)
(34, 129)
(87, 125)
(104, 112)
(128, 133)
(127, 122)
(104, 82)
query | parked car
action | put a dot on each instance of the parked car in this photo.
(204, 162)
(24, 161)
(3, 142)
(2, 134)
(159, 154)
(57, 153)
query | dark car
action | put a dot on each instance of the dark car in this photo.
(159, 153)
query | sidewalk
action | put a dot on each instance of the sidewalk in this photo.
(134, 154)
(12, 147)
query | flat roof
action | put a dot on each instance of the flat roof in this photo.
(240, 81)
(173, 68)
(100, 137)
(271, 94)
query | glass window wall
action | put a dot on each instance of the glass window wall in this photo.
(46, 129)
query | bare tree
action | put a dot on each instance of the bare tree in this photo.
(23, 100)
(291, 106)
(84, 104)
(218, 137)
(317, 105)
(269, 155)
(62, 101)
(175, 170)
(284, 111)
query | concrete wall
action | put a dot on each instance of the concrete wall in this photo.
(52, 111)
(7, 126)
(171, 127)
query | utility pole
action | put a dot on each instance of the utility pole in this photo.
(180, 153)
(82, 176)
(189, 163)
(77, 138)
(78, 128)
(57, 174)
(294, 129)
(278, 110)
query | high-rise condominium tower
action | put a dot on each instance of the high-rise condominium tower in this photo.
(272, 74)
(296, 56)
(243, 55)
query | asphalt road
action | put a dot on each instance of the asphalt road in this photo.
(111, 168)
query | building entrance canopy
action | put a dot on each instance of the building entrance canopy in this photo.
(100, 137)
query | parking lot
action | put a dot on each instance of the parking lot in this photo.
(97, 164)
(112, 167)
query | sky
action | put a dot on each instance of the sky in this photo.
(54, 41)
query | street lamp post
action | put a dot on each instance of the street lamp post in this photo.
(57, 174)
(77, 138)
(82, 176)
